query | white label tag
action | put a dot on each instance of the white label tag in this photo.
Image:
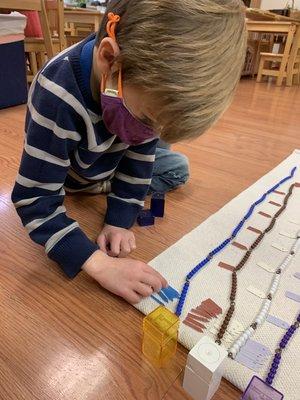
(293, 221)
(278, 246)
(236, 327)
(266, 267)
(257, 292)
(288, 234)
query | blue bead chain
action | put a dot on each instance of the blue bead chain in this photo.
(277, 358)
(221, 246)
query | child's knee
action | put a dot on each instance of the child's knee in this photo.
(181, 170)
(171, 170)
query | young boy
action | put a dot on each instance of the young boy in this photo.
(157, 69)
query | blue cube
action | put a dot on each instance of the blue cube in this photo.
(145, 218)
(158, 204)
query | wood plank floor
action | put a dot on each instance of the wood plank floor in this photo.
(62, 339)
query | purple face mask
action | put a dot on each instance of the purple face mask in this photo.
(119, 121)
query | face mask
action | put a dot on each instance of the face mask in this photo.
(116, 117)
(119, 121)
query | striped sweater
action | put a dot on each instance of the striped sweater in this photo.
(68, 146)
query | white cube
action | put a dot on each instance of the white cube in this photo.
(206, 359)
(198, 388)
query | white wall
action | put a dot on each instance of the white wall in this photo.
(273, 4)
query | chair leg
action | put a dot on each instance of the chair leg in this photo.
(280, 77)
(296, 79)
(41, 59)
(33, 63)
(260, 69)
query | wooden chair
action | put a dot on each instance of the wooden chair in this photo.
(35, 47)
(293, 66)
(55, 12)
(292, 70)
(33, 5)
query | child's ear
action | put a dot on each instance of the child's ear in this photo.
(106, 54)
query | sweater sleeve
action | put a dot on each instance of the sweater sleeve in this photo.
(130, 184)
(51, 134)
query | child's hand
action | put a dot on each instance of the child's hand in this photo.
(130, 279)
(116, 242)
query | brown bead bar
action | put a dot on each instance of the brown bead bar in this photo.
(234, 282)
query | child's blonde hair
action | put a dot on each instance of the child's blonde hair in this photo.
(188, 54)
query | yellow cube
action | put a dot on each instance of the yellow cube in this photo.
(160, 333)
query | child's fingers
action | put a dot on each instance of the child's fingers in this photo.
(115, 244)
(132, 243)
(152, 271)
(125, 248)
(101, 241)
(153, 281)
(132, 297)
(143, 290)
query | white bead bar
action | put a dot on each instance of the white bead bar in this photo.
(262, 315)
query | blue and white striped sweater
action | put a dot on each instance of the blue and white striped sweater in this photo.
(67, 144)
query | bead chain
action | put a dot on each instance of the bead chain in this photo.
(261, 316)
(277, 358)
(226, 242)
(241, 264)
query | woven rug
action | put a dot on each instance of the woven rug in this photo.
(214, 282)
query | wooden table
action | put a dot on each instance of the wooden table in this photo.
(83, 16)
(282, 27)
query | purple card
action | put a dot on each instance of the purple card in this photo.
(259, 390)
(247, 362)
(293, 296)
(253, 355)
(255, 347)
(278, 322)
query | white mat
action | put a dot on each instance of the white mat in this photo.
(214, 282)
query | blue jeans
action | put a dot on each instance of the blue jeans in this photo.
(171, 169)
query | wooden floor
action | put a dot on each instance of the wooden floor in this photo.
(71, 340)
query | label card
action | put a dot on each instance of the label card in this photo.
(278, 246)
(294, 221)
(288, 234)
(157, 300)
(257, 347)
(277, 321)
(297, 275)
(266, 267)
(257, 292)
(247, 362)
(171, 293)
(293, 296)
